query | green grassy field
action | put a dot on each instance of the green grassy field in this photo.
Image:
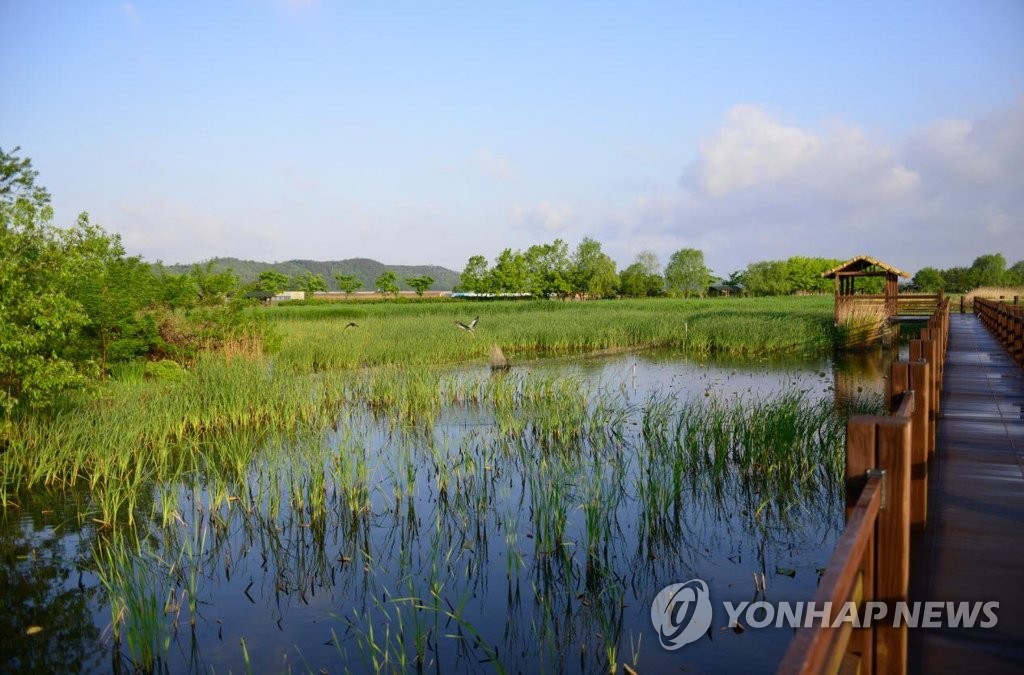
(314, 337)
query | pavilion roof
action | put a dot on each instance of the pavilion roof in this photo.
(862, 263)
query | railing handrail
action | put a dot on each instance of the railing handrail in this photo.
(887, 504)
(810, 650)
(1006, 322)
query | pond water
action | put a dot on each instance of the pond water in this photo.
(524, 536)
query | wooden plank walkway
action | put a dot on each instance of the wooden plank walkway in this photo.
(973, 546)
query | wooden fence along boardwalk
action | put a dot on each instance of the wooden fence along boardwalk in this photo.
(937, 488)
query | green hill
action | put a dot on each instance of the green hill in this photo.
(364, 268)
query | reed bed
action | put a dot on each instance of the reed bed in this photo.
(411, 493)
(410, 334)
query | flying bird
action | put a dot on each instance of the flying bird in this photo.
(351, 324)
(470, 327)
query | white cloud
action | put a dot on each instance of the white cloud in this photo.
(761, 189)
(751, 149)
(545, 216)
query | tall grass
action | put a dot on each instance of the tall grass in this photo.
(315, 338)
(346, 435)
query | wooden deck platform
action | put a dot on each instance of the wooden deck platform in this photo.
(973, 546)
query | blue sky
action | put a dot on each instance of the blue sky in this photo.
(427, 132)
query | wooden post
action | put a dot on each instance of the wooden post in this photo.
(912, 376)
(893, 547)
(860, 456)
(884, 443)
(926, 349)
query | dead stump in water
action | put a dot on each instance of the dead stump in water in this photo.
(497, 358)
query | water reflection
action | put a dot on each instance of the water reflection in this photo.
(532, 531)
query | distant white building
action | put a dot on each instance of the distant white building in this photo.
(290, 295)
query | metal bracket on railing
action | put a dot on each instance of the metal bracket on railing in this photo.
(880, 473)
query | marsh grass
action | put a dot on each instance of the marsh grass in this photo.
(861, 325)
(395, 485)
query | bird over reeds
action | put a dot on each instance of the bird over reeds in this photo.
(351, 324)
(470, 327)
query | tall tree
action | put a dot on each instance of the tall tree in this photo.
(474, 277)
(272, 282)
(348, 283)
(988, 270)
(593, 272)
(548, 269)
(386, 283)
(112, 289)
(929, 280)
(1015, 275)
(311, 283)
(643, 277)
(768, 277)
(420, 283)
(509, 273)
(213, 287)
(39, 321)
(686, 273)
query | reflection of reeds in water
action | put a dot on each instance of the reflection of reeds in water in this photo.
(557, 478)
(861, 325)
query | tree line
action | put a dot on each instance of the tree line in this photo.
(550, 270)
(272, 283)
(986, 270)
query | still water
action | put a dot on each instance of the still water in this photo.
(482, 542)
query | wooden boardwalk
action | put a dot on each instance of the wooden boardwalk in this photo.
(973, 545)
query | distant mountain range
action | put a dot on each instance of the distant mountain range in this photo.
(364, 268)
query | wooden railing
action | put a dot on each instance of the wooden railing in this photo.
(1006, 322)
(887, 492)
(906, 304)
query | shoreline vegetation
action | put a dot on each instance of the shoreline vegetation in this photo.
(152, 422)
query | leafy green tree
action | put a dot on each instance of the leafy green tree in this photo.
(176, 291)
(509, 274)
(420, 283)
(213, 288)
(686, 273)
(593, 272)
(548, 269)
(386, 283)
(768, 277)
(804, 274)
(348, 283)
(474, 277)
(311, 283)
(113, 290)
(18, 180)
(38, 321)
(958, 279)
(988, 270)
(1015, 275)
(643, 277)
(929, 280)
(632, 281)
(272, 282)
